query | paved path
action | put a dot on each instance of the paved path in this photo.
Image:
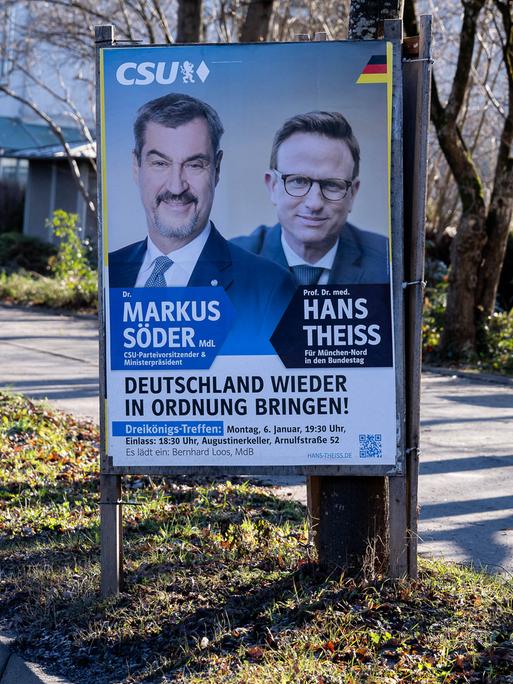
(51, 356)
(466, 482)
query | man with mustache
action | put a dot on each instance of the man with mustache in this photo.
(313, 181)
(176, 165)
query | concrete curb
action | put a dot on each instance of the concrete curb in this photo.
(477, 376)
(48, 311)
(15, 670)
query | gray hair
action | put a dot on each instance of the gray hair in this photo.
(173, 110)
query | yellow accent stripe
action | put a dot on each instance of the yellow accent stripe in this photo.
(390, 64)
(372, 78)
(104, 216)
(104, 160)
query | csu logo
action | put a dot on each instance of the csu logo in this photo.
(165, 73)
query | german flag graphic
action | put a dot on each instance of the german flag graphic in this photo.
(377, 70)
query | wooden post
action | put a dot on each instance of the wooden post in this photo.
(111, 530)
(351, 530)
(351, 520)
(397, 491)
(417, 84)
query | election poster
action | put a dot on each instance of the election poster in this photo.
(247, 255)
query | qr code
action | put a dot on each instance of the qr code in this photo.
(370, 446)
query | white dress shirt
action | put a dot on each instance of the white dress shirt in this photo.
(184, 260)
(325, 262)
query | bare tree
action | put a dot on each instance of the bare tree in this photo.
(459, 333)
(57, 131)
(478, 248)
(225, 19)
(54, 52)
(53, 56)
(500, 209)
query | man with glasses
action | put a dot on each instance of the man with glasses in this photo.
(313, 182)
(176, 164)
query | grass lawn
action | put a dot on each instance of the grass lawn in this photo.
(220, 583)
(71, 295)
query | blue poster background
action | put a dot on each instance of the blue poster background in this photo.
(144, 336)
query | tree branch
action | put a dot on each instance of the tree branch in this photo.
(122, 7)
(65, 99)
(507, 131)
(161, 18)
(59, 135)
(464, 63)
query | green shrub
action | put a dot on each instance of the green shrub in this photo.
(71, 261)
(496, 343)
(25, 252)
(435, 299)
(495, 339)
(72, 284)
(32, 289)
(505, 291)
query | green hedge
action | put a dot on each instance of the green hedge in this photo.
(18, 251)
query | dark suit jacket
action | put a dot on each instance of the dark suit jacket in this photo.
(362, 257)
(258, 289)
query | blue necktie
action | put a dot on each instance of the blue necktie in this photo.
(307, 275)
(156, 279)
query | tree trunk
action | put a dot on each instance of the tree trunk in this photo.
(459, 336)
(349, 522)
(366, 17)
(189, 21)
(498, 223)
(500, 212)
(409, 19)
(479, 246)
(349, 514)
(256, 25)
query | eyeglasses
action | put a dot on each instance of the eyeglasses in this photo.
(332, 189)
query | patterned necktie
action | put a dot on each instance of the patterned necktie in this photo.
(156, 279)
(307, 275)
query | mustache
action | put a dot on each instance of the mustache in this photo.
(184, 197)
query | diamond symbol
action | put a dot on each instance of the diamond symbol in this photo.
(202, 71)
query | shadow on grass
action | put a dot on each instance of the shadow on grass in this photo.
(50, 583)
(223, 573)
(173, 619)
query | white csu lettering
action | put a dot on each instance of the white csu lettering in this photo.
(145, 73)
